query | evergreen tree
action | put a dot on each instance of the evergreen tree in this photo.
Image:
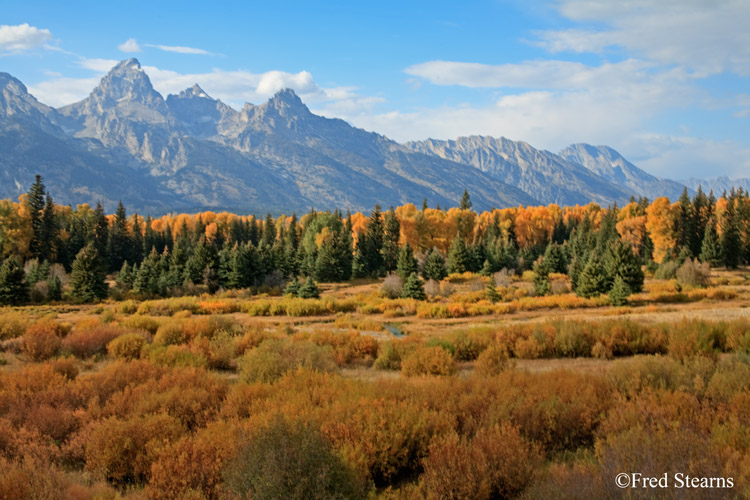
(293, 288)
(685, 223)
(309, 290)
(269, 232)
(434, 266)
(327, 265)
(118, 245)
(136, 244)
(87, 278)
(592, 280)
(100, 231)
(465, 201)
(390, 242)
(48, 238)
(487, 268)
(373, 244)
(541, 277)
(458, 258)
(204, 256)
(491, 292)
(730, 237)
(54, 288)
(619, 260)
(711, 249)
(407, 264)
(126, 277)
(13, 287)
(555, 260)
(620, 292)
(35, 204)
(147, 279)
(413, 288)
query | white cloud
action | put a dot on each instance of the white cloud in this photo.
(180, 50)
(62, 91)
(22, 37)
(696, 157)
(129, 46)
(707, 37)
(99, 65)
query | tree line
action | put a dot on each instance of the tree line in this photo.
(602, 250)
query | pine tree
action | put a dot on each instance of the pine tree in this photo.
(541, 277)
(137, 242)
(100, 231)
(465, 201)
(434, 266)
(458, 258)
(374, 244)
(269, 231)
(730, 236)
(327, 266)
(126, 277)
(309, 290)
(555, 260)
(35, 204)
(620, 292)
(407, 264)
(293, 288)
(619, 260)
(54, 288)
(13, 287)
(413, 288)
(87, 278)
(118, 245)
(592, 280)
(390, 242)
(147, 278)
(49, 231)
(711, 249)
(491, 292)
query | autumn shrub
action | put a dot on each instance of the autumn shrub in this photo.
(25, 478)
(467, 346)
(496, 463)
(67, 367)
(273, 358)
(220, 351)
(694, 273)
(667, 270)
(392, 286)
(168, 307)
(43, 339)
(347, 347)
(123, 450)
(84, 343)
(492, 361)
(127, 346)
(140, 322)
(171, 333)
(730, 378)
(428, 361)
(13, 324)
(193, 465)
(738, 336)
(174, 355)
(692, 338)
(573, 340)
(291, 461)
(389, 356)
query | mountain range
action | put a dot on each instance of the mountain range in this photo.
(191, 152)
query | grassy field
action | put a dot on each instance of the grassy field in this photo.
(452, 397)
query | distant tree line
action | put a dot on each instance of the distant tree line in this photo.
(603, 250)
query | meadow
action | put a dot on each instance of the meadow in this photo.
(358, 395)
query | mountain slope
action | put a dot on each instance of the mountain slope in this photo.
(611, 165)
(550, 178)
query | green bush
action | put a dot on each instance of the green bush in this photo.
(274, 357)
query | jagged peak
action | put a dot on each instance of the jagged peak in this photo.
(7, 78)
(287, 97)
(193, 92)
(127, 64)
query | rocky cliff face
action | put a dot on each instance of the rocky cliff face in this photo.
(551, 178)
(611, 165)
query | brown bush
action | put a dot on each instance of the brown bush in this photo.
(42, 340)
(497, 463)
(84, 343)
(123, 450)
(126, 346)
(348, 346)
(493, 361)
(193, 465)
(428, 361)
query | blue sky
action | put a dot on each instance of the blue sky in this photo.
(665, 83)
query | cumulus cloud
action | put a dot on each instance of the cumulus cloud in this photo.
(129, 46)
(22, 37)
(180, 50)
(98, 65)
(62, 91)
